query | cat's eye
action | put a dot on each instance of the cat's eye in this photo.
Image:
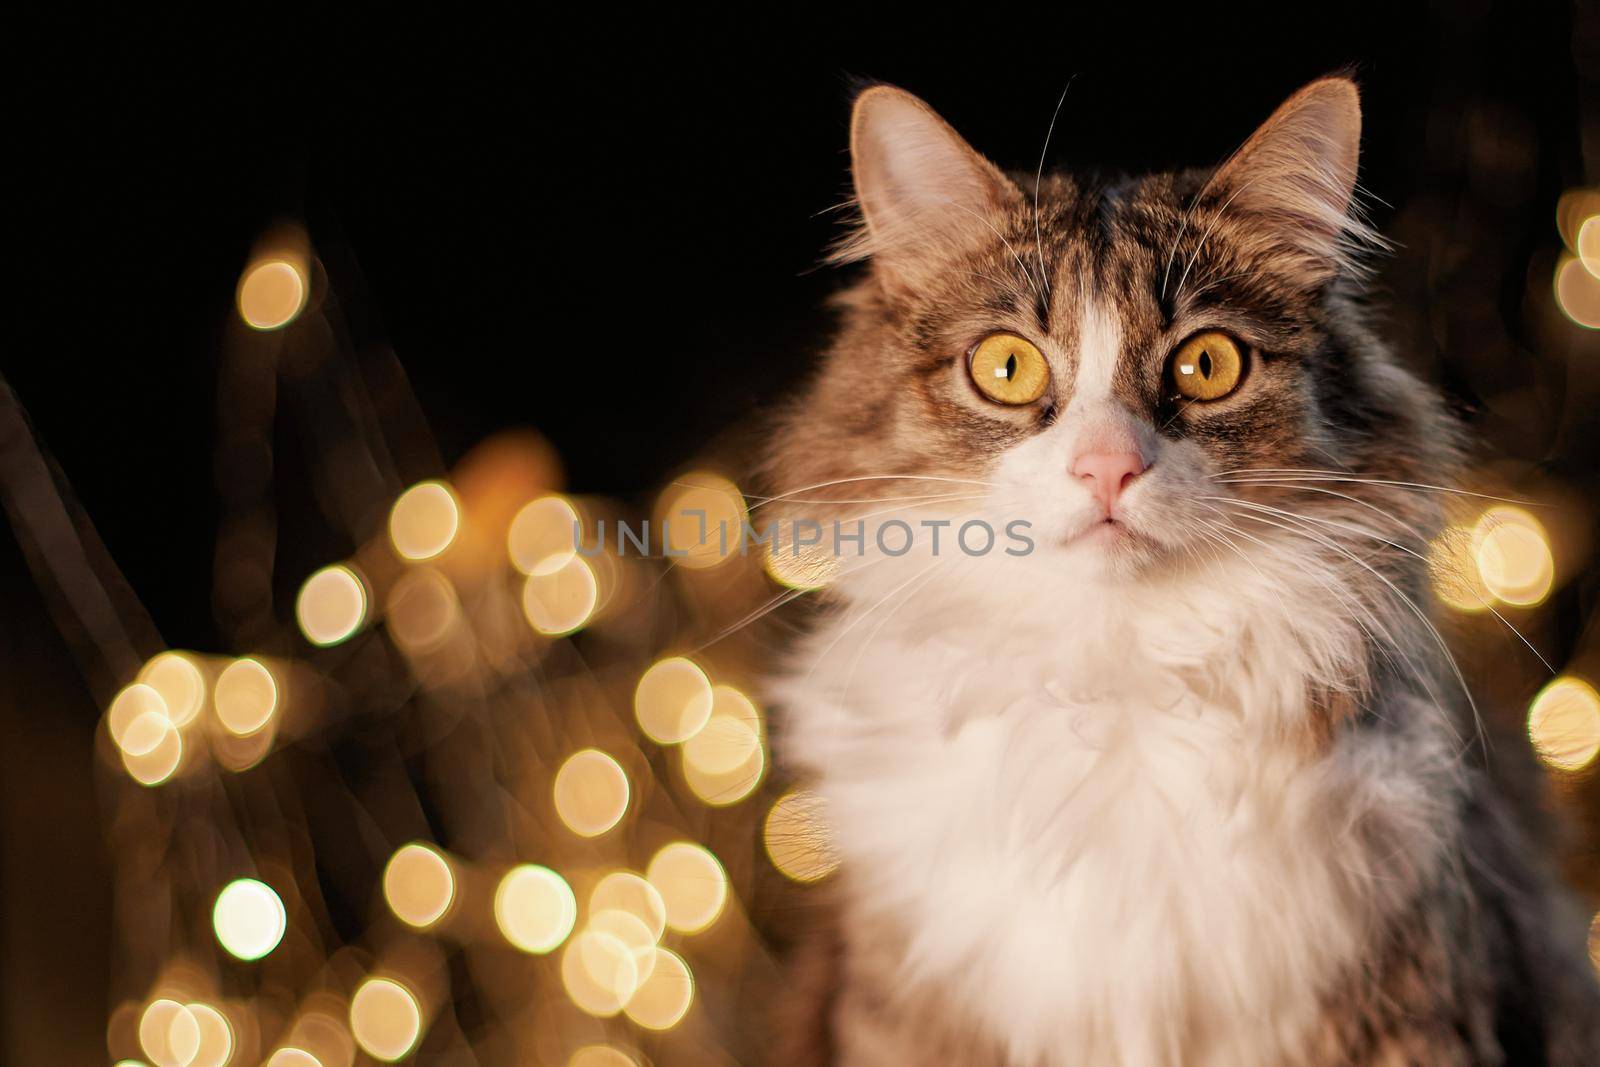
(1208, 366)
(1008, 369)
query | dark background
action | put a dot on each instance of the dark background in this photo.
(611, 233)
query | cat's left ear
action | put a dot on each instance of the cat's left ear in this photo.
(1297, 174)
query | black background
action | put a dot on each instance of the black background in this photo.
(609, 232)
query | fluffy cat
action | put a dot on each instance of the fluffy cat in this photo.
(1191, 781)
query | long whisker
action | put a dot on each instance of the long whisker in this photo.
(1314, 474)
(1038, 178)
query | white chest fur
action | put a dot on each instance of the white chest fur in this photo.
(1106, 853)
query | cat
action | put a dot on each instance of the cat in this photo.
(1194, 780)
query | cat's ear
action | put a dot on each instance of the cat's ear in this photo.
(1297, 174)
(923, 192)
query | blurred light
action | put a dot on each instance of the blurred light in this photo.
(729, 738)
(169, 1034)
(626, 891)
(601, 1056)
(599, 973)
(293, 1057)
(591, 792)
(806, 567)
(1564, 723)
(1513, 555)
(663, 998)
(151, 748)
(271, 294)
(419, 885)
(797, 837)
(131, 703)
(178, 679)
(422, 610)
(673, 700)
(559, 601)
(543, 535)
(1594, 941)
(332, 605)
(245, 696)
(385, 1019)
(634, 935)
(1454, 570)
(1578, 292)
(1589, 244)
(216, 1037)
(249, 919)
(535, 908)
(323, 1031)
(424, 520)
(709, 539)
(692, 885)
(728, 787)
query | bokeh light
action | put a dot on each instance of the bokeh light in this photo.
(559, 600)
(332, 605)
(272, 293)
(542, 536)
(151, 748)
(1453, 568)
(664, 995)
(702, 540)
(800, 567)
(418, 884)
(692, 885)
(169, 1034)
(216, 1036)
(535, 908)
(385, 1019)
(797, 837)
(599, 973)
(591, 792)
(424, 521)
(673, 700)
(245, 696)
(177, 678)
(629, 892)
(249, 919)
(131, 703)
(601, 1056)
(422, 610)
(293, 1057)
(1578, 292)
(725, 761)
(1564, 723)
(1513, 555)
(1589, 244)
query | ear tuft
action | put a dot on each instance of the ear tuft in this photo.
(923, 192)
(1298, 172)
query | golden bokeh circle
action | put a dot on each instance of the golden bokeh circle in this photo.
(664, 995)
(702, 517)
(271, 294)
(543, 535)
(797, 837)
(424, 521)
(245, 696)
(591, 792)
(629, 892)
(178, 679)
(419, 885)
(673, 700)
(1564, 723)
(1513, 555)
(385, 1019)
(599, 973)
(332, 605)
(560, 600)
(535, 908)
(692, 884)
(249, 919)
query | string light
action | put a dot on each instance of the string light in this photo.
(177, 678)
(1564, 723)
(535, 908)
(418, 885)
(272, 294)
(424, 521)
(332, 605)
(664, 996)
(692, 885)
(673, 700)
(249, 919)
(245, 696)
(591, 793)
(385, 1019)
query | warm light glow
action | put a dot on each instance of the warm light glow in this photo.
(177, 678)
(1578, 292)
(808, 567)
(1513, 554)
(249, 919)
(542, 537)
(634, 935)
(729, 787)
(132, 702)
(708, 539)
(601, 1056)
(599, 973)
(1594, 941)
(271, 294)
(385, 1019)
(332, 605)
(422, 610)
(1589, 244)
(418, 884)
(663, 998)
(216, 1036)
(245, 696)
(673, 700)
(424, 520)
(692, 885)
(797, 837)
(293, 1057)
(535, 908)
(169, 1034)
(626, 891)
(591, 792)
(1564, 723)
(151, 748)
(725, 761)
(1453, 567)
(559, 601)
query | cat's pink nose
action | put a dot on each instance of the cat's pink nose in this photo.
(1107, 474)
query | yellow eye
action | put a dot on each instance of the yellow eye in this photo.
(1008, 369)
(1208, 366)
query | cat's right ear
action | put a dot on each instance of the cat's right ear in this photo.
(923, 192)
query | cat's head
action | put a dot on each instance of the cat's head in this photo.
(1154, 373)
